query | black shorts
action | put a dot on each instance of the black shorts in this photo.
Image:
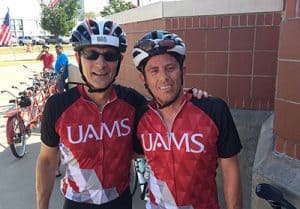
(122, 202)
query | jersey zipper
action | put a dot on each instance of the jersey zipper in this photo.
(103, 142)
(169, 133)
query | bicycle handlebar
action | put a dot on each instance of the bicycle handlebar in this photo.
(273, 196)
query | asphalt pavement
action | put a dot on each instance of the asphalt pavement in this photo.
(17, 176)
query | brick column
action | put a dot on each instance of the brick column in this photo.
(287, 97)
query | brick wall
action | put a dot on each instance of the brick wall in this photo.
(231, 56)
(287, 98)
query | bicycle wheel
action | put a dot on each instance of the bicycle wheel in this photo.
(133, 178)
(15, 132)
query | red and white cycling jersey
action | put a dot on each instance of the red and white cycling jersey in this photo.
(96, 146)
(183, 160)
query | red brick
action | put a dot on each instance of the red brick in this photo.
(219, 22)
(242, 39)
(211, 21)
(290, 149)
(195, 62)
(240, 63)
(260, 19)
(277, 18)
(267, 38)
(181, 21)
(168, 23)
(263, 89)
(217, 39)
(239, 87)
(234, 20)
(280, 145)
(196, 22)
(290, 9)
(243, 20)
(194, 81)
(216, 85)
(226, 21)
(251, 20)
(286, 123)
(189, 22)
(288, 81)
(195, 40)
(175, 22)
(290, 40)
(265, 63)
(203, 21)
(268, 19)
(217, 63)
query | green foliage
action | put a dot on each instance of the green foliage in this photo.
(60, 19)
(115, 7)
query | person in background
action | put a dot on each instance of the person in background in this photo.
(61, 67)
(183, 138)
(47, 58)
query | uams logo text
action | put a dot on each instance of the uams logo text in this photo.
(119, 128)
(190, 142)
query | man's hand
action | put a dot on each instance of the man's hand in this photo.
(198, 93)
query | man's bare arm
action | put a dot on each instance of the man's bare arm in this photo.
(232, 182)
(46, 166)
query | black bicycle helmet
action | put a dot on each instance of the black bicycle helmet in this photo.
(157, 42)
(98, 32)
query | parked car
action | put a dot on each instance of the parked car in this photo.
(23, 40)
(58, 40)
(38, 40)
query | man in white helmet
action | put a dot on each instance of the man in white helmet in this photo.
(91, 125)
(183, 138)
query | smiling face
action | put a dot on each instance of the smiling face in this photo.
(97, 70)
(163, 76)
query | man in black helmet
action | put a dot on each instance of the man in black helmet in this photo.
(91, 125)
(183, 138)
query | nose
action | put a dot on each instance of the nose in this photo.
(100, 60)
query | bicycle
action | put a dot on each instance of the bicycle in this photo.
(16, 130)
(140, 173)
(273, 196)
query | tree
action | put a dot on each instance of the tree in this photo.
(60, 19)
(115, 7)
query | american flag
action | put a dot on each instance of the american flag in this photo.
(52, 3)
(5, 34)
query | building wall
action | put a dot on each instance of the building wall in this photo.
(287, 98)
(231, 56)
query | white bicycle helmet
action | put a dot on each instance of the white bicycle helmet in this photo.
(154, 43)
(98, 32)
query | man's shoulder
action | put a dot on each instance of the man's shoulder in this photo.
(130, 95)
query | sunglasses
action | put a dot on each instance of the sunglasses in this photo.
(107, 56)
(150, 45)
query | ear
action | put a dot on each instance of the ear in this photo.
(77, 57)
(142, 77)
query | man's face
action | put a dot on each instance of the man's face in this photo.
(58, 49)
(99, 70)
(163, 76)
(45, 49)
